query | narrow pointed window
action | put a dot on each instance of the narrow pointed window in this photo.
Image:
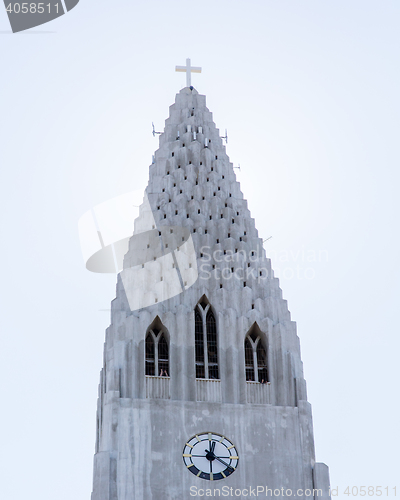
(206, 342)
(156, 353)
(248, 355)
(199, 345)
(212, 346)
(262, 363)
(150, 358)
(163, 367)
(255, 356)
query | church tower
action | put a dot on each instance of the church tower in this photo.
(202, 387)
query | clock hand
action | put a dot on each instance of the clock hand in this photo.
(224, 463)
(212, 446)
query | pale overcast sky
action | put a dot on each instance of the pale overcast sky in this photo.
(309, 93)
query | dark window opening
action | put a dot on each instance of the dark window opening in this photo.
(199, 345)
(163, 365)
(249, 362)
(150, 357)
(156, 354)
(255, 358)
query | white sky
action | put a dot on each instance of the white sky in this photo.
(309, 93)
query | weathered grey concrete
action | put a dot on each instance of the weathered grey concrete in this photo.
(142, 425)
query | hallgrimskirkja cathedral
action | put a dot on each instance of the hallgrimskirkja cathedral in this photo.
(202, 389)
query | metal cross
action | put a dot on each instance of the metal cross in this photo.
(188, 69)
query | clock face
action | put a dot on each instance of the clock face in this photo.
(210, 456)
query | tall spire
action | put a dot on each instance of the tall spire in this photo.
(201, 353)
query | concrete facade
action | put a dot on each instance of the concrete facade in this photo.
(143, 422)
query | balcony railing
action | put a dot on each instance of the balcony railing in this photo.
(257, 393)
(208, 390)
(157, 387)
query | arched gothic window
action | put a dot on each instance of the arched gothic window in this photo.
(255, 356)
(206, 345)
(156, 352)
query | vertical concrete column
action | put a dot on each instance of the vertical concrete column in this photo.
(321, 482)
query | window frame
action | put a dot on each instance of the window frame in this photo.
(209, 341)
(156, 340)
(254, 367)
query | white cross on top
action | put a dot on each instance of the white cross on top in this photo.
(188, 69)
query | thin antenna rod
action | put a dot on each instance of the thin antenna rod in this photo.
(154, 131)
